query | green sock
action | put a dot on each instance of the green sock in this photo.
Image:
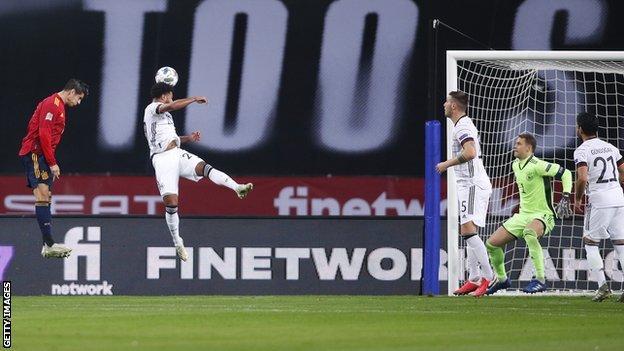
(497, 259)
(536, 253)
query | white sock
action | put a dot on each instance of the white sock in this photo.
(221, 178)
(481, 254)
(173, 222)
(594, 261)
(472, 265)
(620, 252)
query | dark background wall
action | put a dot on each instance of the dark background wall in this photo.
(298, 87)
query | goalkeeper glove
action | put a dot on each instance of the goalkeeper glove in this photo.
(563, 209)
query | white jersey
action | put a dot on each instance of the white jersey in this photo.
(602, 160)
(159, 129)
(471, 172)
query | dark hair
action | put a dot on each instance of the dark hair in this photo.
(460, 98)
(588, 123)
(529, 138)
(160, 89)
(78, 86)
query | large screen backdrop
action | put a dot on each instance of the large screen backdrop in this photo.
(296, 87)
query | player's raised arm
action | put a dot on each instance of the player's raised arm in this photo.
(180, 104)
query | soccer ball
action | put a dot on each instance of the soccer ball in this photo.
(167, 75)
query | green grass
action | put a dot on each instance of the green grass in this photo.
(316, 323)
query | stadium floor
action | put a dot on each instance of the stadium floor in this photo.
(316, 323)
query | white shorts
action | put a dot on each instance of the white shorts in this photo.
(604, 223)
(172, 164)
(473, 204)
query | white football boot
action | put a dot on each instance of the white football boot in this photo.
(181, 252)
(56, 250)
(243, 189)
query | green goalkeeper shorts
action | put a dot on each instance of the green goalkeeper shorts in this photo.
(516, 224)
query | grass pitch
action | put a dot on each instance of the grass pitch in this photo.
(316, 323)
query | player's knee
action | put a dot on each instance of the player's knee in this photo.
(170, 200)
(42, 194)
(199, 168)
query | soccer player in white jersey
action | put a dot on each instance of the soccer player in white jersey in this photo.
(171, 162)
(473, 192)
(599, 172)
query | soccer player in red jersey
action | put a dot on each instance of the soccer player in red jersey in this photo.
(37, 154)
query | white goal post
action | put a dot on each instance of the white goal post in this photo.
(540, 92)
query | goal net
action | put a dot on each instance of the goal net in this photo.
(540, 93)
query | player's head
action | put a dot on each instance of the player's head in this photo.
(75, 90)
(525, 146)
(586, 124)
(456, 104)
(162, 91)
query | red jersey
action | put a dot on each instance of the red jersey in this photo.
(45, 129)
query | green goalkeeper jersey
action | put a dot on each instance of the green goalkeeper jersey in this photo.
(533, 177)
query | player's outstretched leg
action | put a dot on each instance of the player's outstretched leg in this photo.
(220, 178)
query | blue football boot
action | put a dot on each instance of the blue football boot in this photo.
(497, 285)
(534, 286)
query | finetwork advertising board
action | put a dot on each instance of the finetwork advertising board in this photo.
(258, 256)
(243, 256)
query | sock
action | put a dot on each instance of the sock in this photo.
(472, 265)
(481, 254)
(219, 177)
(595, 263)
(620, 252)
(44, 218)
(536, 253)
(173, 222)
(497, 258)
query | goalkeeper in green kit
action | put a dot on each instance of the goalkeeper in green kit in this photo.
(536, 216)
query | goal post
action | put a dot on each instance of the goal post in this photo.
(540, 92)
